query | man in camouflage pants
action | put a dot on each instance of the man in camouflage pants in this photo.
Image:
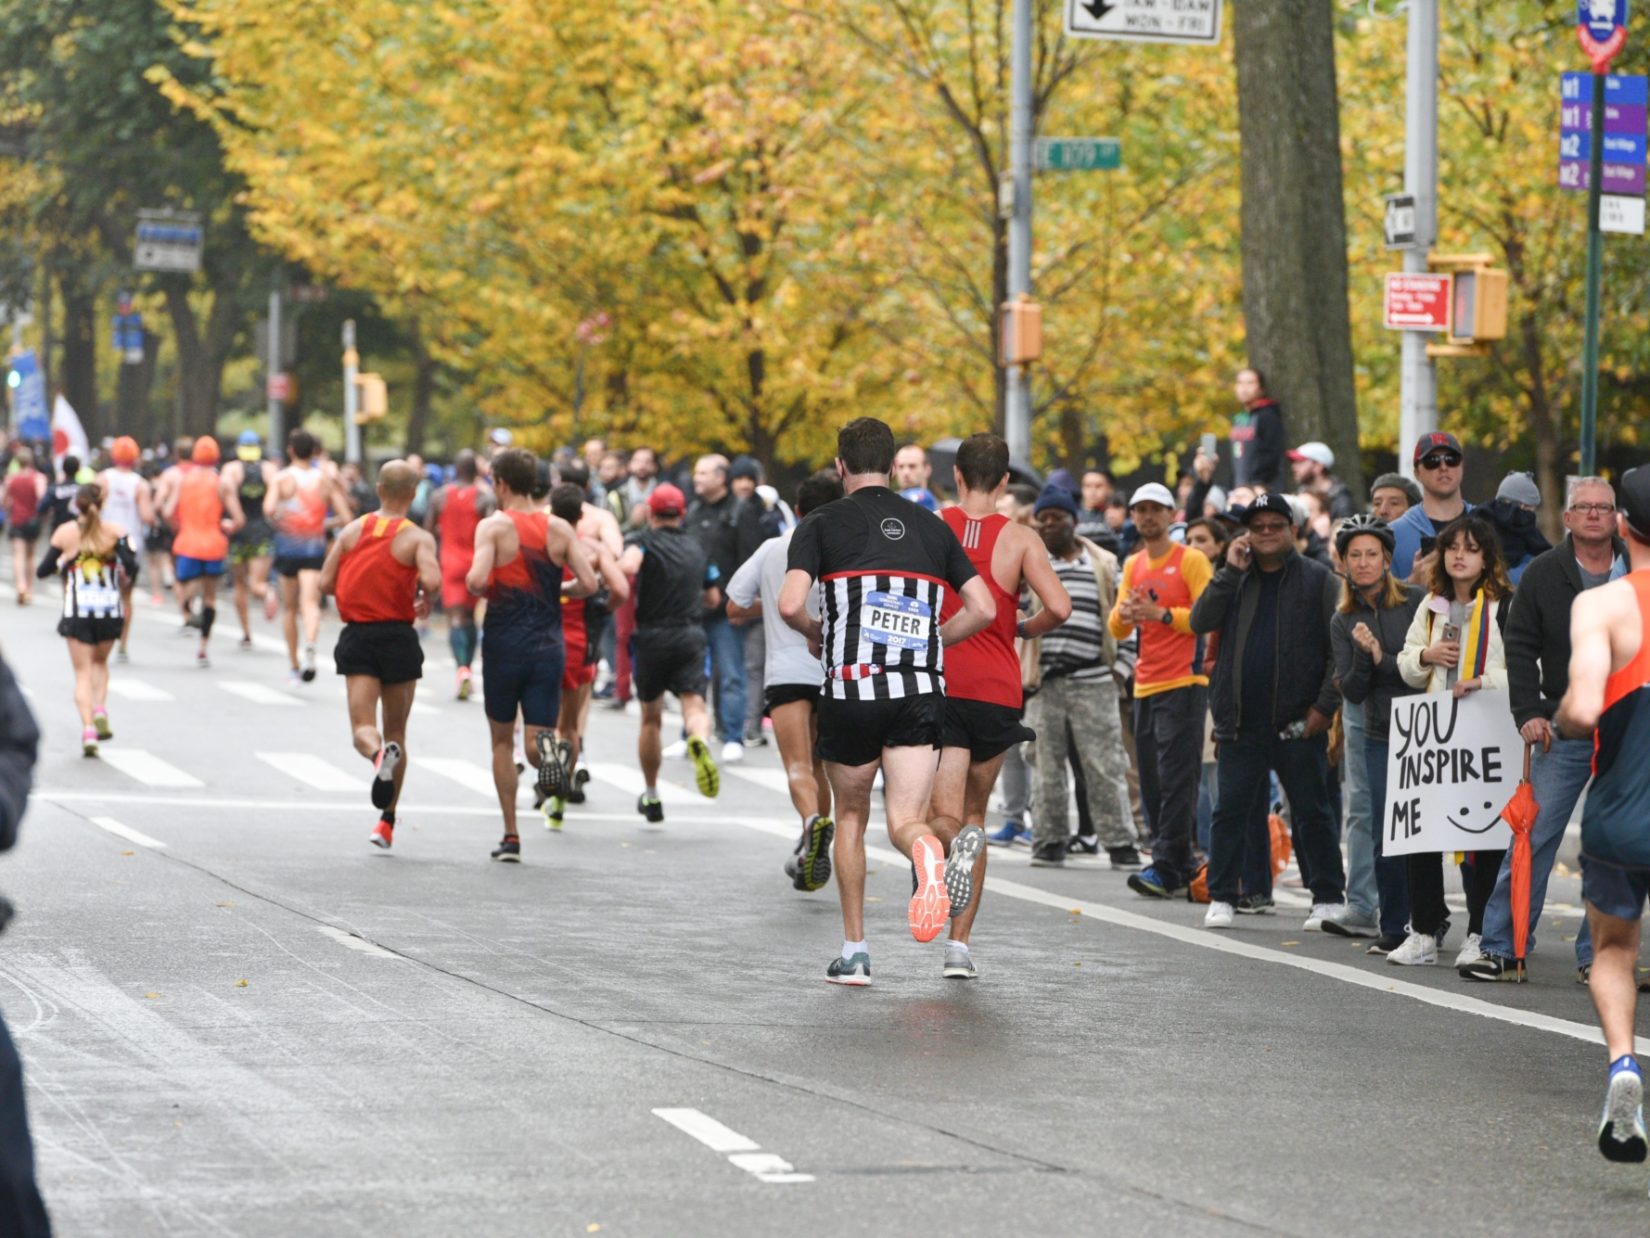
(1074, 710)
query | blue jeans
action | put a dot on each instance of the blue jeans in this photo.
(1302, 766)
(1391, 871)
(1362, 895)
(726, 645)
(1558, 778)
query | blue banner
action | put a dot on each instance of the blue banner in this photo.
(28, 398)
(1618, 147)
(1626, 88)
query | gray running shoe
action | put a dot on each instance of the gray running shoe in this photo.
(855, 971)
(959, 867)
(1621, 1135)
(959, 965)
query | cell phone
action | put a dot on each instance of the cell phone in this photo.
(1452, 631)
(1207, 445)
(1428, 545)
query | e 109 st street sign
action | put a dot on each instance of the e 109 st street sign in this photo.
(1078, 154)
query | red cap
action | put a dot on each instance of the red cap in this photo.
(206, 450)
(124, 450)
(666, 500)
(1435, 440)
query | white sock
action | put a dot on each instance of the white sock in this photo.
(951, 943)
(851, 948)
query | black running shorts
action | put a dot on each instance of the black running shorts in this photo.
(856, 732)
(669, 659)
(90, 631)
(779, 694)
(388, 652)
(985, 729)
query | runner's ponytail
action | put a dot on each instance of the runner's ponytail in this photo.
(93, 540)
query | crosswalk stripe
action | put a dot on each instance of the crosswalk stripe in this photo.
(628, 779)
(258, 693)
(464, 773)
(312, 771)
(137, 690)
(127, 832)
(147, 768)
(767, 779)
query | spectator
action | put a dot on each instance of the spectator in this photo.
(363, 495)
(1311, 527)
(1016, 503)
(912, 473)
(1438, 469)
(729, 529)
(1161, 582)
(1512, 512)
(1257, 433)
(1210, 536)
(1538, 673)
(1273, 696)
(594, 450)
(1391, 495)
(1454, 645)
(642, 475)
(610, 473)
(1371, 624)
(1314, 467)
(1071, 667)
(1096, 491)
(744, 476)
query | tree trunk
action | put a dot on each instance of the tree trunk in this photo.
(423, 393)
(78, 380)
(1294, 221)
(200, 355)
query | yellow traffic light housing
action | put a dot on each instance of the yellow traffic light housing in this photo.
(374, 398)
(1019, 331)
(1478, 304)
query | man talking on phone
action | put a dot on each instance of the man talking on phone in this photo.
(1273, 695)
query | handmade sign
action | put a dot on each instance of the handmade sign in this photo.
(1451, 767)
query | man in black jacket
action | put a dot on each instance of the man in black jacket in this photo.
(1273, 696)
(1538, 672)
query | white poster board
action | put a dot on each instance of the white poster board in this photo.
(1451, 768)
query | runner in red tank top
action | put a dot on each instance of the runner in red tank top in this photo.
(382, 569)
(983, 694)
(455, 511)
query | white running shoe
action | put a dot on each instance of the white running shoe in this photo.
(1219, 916)
(1471, 951)
(676, 751)
(733, 752)
(1418, 950)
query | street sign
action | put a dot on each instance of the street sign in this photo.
(280, 387)
(1601, 26)
(1077, 154)
(1618, 177)
(1400, 221)
(1626, 104)
(1145, 21)
(168, 241)
(1621, 214)
(1417, 302)
(28, 398)
(1618, 147)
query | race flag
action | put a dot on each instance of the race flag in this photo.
(68, 435)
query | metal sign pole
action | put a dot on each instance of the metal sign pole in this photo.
(352, 363)
(1418, 381)
(1017, 408)
(277, 430)
(1595, 264)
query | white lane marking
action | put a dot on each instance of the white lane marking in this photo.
(425, 711)
(408, 808)
(147, 768)
(742, 1152)
(464, 773)
(136, 690)
(628, 779)
(359, 944)
(127, 832)
(312, 770)
(258, 693)
(767, 779)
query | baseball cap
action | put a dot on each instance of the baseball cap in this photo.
(205, 451)
(666, 500)
(124, 450)
(500, 437)
(1315, 451)
(1277, 504)
(1633, 497)
(1435, 440)
(1153, 492)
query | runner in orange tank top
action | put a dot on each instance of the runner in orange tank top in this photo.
(203, 510)
(382, 569)
(983, 694)
(296, 503)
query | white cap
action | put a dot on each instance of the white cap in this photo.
(1153, 492)
(501, 437)
(1315, 451)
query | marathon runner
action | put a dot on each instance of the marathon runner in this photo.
(93, 556)
(25, 491)
(884, 563)
(158, 540)
(296, 506)
(1609, 700)
(251, 547)
(520, 552)
(984, 696)
(581, 620)
(382, 569)
(204, 511)
(129, 502)
(791, 678)
(675, 582)
(455, 511)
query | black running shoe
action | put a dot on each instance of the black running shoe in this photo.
(1255, 905)
(575, 793)
(854, 972)
(650, 807)
(383, 774)
(813, 855)
(508, 850)
(552, 775)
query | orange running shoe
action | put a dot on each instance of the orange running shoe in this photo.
(930, 904)
(383, 834)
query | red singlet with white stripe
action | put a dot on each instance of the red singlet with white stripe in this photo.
(373, 586)
(984, 667)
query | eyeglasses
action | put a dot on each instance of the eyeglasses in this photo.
(1270, 526)
(1593, 509)
(1440, 460)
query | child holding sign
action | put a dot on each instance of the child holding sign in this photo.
(1454, 645)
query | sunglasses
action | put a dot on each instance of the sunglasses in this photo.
(1440, 460)
(1269, 526)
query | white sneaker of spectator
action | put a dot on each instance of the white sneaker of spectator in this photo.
(1418, 950)
(1322, 912)
(1219, 916)
(676, 751)
(1471, 951)
(732, 752)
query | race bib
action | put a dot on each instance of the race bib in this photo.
(897, 621)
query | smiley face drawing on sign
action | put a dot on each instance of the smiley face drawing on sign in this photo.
(1466, 812)
(896, 621)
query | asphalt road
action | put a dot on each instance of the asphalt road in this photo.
(237, 1017)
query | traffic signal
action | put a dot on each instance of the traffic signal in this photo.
(1019, 331)
(373, 399)
(1478, 304)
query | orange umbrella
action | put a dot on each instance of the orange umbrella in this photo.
(1520, 813)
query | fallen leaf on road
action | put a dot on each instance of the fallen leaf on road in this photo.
(240, 984)
(1289, 943)
(151, 996)
(128, 853)
(226, 904)
(1076, 911)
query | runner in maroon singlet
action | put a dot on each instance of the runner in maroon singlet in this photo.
(382, 569)
(455, 510)
(984, 699)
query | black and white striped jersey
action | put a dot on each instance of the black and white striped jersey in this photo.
(883, 564)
